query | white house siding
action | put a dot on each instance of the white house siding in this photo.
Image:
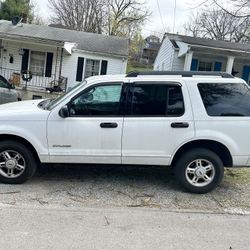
(116, 65)
(178, 62)
(165, 56)
(12, 48)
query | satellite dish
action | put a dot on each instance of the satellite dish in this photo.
(15, 20)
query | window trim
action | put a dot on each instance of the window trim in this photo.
(121, 102)
(129, 104)
(85, 64)
(44, 66)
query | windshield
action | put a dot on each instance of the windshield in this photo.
(53, 102)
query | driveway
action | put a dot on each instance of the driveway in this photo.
(111, 187)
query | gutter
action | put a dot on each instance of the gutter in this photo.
(30, 39)
(101, 53)
(209, 47)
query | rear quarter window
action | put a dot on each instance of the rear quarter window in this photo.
(225, 99)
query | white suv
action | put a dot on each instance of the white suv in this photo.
(196, 122)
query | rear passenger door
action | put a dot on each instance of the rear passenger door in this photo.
(157, 121)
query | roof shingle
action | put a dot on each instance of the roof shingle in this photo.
(85, 41)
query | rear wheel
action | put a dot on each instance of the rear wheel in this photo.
(199, 170)
(17, 162)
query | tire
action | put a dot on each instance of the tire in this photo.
(17, 163)
(199, 170)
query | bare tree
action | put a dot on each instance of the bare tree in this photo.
(79, 15)
(125, 17)
(241, 7)
(219, 25)
(113, 17)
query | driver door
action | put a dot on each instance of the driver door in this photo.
(92, 132)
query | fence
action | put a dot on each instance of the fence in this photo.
(37, 81)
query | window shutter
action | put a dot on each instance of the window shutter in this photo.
(79, 70)
(194, 64)
(49, 63)
(217, 66)
(104, 67)
(25, 60)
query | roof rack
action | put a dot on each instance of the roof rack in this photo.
(182, 73)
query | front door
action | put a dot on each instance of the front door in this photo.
(157, 122)
(92, 132)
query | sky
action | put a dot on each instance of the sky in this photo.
(161, 20)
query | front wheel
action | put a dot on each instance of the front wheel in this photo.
(17, 162)
(199, 170)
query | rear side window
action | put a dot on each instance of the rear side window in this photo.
(225, 99)
(156, 100)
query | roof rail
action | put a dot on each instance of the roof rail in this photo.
(182, 73)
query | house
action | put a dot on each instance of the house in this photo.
(53, 56)
(178, 52)
(150, 49)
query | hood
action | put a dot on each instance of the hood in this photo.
(24, 110)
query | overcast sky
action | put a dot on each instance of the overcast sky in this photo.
(184, 9)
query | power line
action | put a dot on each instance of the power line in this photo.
(174, 15)
(163, 26)
(202, 3)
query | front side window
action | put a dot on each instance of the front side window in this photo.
(92, 68)
(4, 83)
(37, 62)
(205, 66)
(156, 100)
(225, 99)
(103, 100)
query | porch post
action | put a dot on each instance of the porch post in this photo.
(230, 63)
(60, 66)
(188, 61)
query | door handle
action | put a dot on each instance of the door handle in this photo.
(179, 125)
(108, 125)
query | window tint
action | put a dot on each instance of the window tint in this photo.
(225, 99)
(98, 101)
(4, 83)
(156, 100)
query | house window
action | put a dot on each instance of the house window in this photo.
(92, 68)
(205, 66)
(37, 62)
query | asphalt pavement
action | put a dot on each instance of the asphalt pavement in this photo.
(117, 207)
(129, 228)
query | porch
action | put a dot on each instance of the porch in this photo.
(32, 64)
(235, 63)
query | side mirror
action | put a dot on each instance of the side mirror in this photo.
(64, 111)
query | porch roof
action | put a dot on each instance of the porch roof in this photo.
(91, 42)
(205, 42)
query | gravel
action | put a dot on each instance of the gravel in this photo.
(118, 186)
